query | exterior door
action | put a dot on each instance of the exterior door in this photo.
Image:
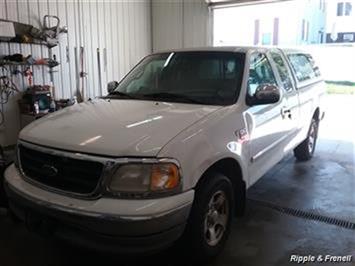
(268, 124)
(290, 112)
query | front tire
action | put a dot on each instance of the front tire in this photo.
(208, 226)
(305, 150)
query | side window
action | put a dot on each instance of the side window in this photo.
(260, 72)
(304, 67)
(283, 71)
(314, 65)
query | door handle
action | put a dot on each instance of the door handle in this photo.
(286, 112)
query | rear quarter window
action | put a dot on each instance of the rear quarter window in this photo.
(304, 67)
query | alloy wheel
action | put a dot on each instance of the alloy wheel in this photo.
(216, 218)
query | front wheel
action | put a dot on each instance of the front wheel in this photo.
(305, 150)
(209, 223)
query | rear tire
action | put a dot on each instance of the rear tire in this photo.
(208, 226)
(305, 150)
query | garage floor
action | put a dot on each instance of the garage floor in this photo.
(321, 188)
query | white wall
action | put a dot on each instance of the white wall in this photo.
(181, 24)
(235, 25)
(121, 28)
(336, 61)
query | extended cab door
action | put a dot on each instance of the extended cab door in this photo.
(270, 125)
(310, 88)
(290, 111)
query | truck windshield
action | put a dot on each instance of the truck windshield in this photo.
(212, 78)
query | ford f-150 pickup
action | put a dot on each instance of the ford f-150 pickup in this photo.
(169, 152)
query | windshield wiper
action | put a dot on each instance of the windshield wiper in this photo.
(172, 96)
(121, 94)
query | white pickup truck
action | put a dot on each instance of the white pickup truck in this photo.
(170, 151)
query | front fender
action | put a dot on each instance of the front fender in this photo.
(206, 142)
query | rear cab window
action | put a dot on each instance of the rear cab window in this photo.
(304, 67)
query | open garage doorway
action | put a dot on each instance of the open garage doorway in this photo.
(325, 29)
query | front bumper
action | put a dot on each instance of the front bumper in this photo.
(129, 226)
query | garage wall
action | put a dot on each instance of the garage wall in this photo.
(181, 24)
(330, 56)
(120, 30)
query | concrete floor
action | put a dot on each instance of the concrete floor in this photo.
(325, 185)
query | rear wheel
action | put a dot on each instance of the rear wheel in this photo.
(305, 150)
(209, 223)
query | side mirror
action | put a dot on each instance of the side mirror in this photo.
(265, 94)
(111, 86)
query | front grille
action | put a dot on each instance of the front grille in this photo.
(60, 172)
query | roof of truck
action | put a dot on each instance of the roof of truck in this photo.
(240, 49)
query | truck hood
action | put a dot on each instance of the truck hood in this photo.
(115, 127)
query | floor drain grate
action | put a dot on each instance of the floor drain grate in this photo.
(306, 215)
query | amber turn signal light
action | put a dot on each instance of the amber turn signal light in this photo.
(164, 176)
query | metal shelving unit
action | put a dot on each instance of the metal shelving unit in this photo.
(50, 55)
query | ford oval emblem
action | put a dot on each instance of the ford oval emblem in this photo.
(49, 170)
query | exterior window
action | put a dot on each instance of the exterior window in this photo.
(344, 9)
(304, 67)
(305, 30)
(348, 9)
(348, 37)
(322, 5)
(266, 39)
(260, 72)
(283, 71)
(340, 9)
(256, 31)
(275, 39)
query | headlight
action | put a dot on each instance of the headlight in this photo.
(140, 178)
